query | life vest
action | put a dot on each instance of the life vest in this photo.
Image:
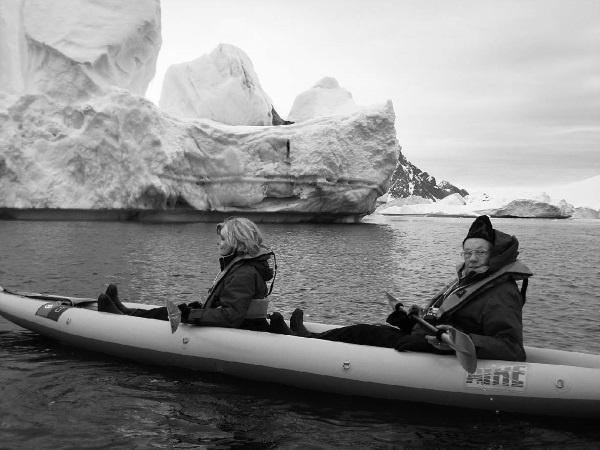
(258, 307)
(455, 295)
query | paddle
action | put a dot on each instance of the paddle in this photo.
(174, 315)
(458, 341)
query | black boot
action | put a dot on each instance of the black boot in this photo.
(112, 293)
(277, 325)
(297, 323)
(105, 304)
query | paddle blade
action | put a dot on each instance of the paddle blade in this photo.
(392, 301)
(174, 315)
(462, 344)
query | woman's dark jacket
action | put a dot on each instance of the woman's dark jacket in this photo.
(241, 280)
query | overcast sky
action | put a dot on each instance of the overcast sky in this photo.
(487, 93)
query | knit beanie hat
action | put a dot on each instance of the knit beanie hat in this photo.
(481, 228)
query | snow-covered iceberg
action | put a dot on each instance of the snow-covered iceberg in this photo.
(564, 201)
(118, 152)
(77, 135)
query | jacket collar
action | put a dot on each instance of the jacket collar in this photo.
(225, 260)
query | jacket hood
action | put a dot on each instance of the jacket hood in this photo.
(504, 251)
(261, 264)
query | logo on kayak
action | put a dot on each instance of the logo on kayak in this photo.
(498, 377)
(51, 311)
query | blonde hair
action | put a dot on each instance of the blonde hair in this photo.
(241, 235)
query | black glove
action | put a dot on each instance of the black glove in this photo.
(185, 311)
(195, 305)
(400, 319)
(414, 343)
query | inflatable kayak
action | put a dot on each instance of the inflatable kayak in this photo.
(551, 382)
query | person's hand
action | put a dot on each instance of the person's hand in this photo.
(195, 305)
(415, 310)
(185, 311)
(400, 319)
(414, 343)
(437, 341)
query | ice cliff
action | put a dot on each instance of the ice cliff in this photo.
(75, 132)
(118, 151)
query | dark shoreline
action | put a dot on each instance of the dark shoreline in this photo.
(182, 215)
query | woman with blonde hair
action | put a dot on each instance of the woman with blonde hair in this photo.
(237, 297)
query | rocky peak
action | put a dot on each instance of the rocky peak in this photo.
(408, 180)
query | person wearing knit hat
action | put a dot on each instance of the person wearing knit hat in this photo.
(483, 301)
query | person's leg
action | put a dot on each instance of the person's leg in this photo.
(112, 293)
(159, 313)
(110, 302)
(297, 323)
(105, 304)
(255, 325)
(277, 325)
(363, 334)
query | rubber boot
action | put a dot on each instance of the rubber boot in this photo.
(297, 324)
(112, 293)
(277, 325)
(105, 304)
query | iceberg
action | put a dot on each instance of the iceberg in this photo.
(76, 135)
(120, 152)
(561, 201)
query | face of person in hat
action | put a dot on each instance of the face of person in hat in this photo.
(476, 252)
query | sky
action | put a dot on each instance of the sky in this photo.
(488, 94)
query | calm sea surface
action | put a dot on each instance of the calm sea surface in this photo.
(56, 397)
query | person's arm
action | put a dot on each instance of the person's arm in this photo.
(238, 291)
(502, 326)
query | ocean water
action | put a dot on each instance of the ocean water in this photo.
(52, 396)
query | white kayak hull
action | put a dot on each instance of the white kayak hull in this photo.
(551, 382)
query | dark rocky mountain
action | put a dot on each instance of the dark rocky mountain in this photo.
(408, 180)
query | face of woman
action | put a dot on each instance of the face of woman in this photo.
(224, 249)
(476, 253)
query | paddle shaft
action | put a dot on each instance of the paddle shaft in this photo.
(460, 342)
(443, 336)
(424, 323)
